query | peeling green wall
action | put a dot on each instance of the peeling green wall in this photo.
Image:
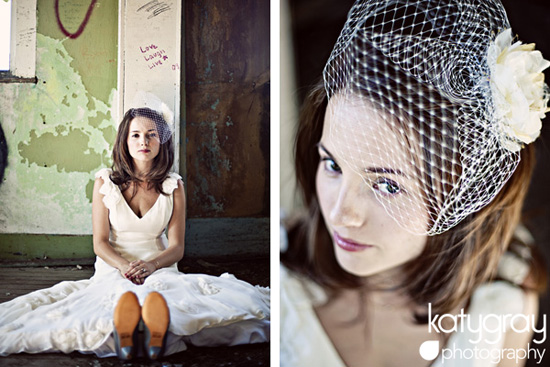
(60, 131)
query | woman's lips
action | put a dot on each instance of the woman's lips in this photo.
(349, 245)
(144, 151)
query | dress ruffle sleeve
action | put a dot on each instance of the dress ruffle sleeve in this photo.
(111, 193)
(171, 183)
(303, 339)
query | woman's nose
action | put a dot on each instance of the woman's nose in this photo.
(349, 210)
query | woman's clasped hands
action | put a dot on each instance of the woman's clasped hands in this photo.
(136, 271)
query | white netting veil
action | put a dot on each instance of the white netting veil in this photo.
(431, 103)
(148, 105)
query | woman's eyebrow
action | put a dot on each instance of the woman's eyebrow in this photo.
(322, 147)
(379, 170)
(383, 170)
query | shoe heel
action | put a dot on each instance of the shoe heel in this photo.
(156, 318)
(126, 320)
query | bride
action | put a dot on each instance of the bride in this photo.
(138, 217)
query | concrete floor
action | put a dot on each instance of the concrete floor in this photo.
(18, 279)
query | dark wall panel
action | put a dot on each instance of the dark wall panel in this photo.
(227, 108)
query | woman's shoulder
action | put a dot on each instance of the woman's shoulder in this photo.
(498, 297)
(303, 339)
(104, 173)
(111, 193)
(489, 324)
(301, 290)
(173, 176)
(171, 182)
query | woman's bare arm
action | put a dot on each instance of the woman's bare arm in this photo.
(101, 228)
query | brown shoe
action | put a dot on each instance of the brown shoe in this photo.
(126, 319)
(156, 318)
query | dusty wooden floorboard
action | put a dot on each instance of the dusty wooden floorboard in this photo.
(16, 281)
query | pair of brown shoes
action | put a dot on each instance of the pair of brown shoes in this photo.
(156, 318)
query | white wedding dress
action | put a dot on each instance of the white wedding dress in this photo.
(78, 315)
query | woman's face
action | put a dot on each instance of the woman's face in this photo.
(143, 140)
(352, 190)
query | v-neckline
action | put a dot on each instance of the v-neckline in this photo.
(132, 211)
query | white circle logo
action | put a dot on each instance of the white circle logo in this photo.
(429, 350)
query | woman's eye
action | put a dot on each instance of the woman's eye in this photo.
(386, 186)
(135, 136)
(330, 165)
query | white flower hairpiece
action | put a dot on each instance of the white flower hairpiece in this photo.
(520, 96)
(150, 100)
(166, 113)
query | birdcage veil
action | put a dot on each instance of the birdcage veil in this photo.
(161, 117)
(430, 102)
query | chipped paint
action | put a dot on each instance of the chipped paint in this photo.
(229, 121)
(226, 163)
(59, 133)
(215, 104)
(50, 150)
(208, 69)
(230, 74)
(96, 47)
(211, 148)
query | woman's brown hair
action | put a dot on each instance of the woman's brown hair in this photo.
(452, 264)
(123, 164)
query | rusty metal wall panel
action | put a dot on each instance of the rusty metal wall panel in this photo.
(227, 108)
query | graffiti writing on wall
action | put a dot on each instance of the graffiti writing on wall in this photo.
(82, 25)
(153, 55)
(155, 8)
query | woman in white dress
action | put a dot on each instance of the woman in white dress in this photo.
(413, 157)
(138, 215)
